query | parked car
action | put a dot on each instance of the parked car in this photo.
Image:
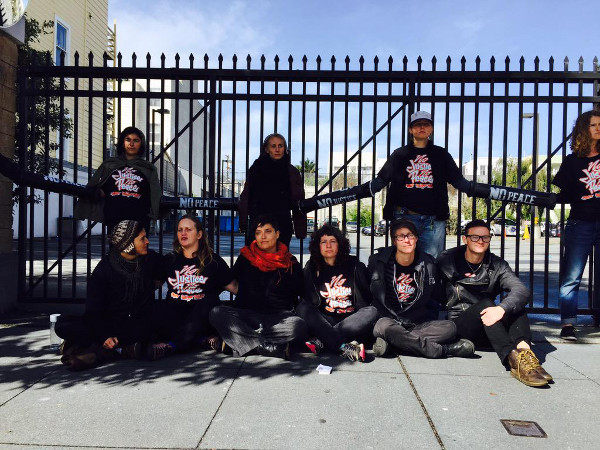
(334, 222)
(368, 230)
(510, 226)
(381, 228)
(553, 227)
(351, 227)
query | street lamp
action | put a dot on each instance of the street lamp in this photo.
(162, 112)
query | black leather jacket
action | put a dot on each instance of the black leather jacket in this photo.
(362, 294)
(495, 273)
(429, 290)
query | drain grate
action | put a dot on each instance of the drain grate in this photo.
(523, 428)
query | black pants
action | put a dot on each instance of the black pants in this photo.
(244, 330)
(334, 331)
(183, 323)
(425, 339)
(90, 330)
(503, 336)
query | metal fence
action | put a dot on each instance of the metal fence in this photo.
(504, 123)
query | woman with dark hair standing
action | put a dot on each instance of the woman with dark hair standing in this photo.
(272, 187)
(337, 298)
(195, 277)
(577, 179)
(130, 188)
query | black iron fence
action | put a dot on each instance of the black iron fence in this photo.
(504, 123)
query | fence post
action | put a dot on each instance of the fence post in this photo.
(212, 148)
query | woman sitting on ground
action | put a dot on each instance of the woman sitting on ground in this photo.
(337, 299)
(195, 277)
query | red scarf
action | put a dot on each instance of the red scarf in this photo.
(267, 262)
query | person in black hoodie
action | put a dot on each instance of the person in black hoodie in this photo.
(337, 299)
(273, 186)
(419, 174)
(407, 292)
(119, 310)
(269, 279)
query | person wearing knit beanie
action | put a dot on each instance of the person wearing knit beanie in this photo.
(123, 234)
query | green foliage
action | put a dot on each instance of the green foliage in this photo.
(44, 117)
(309, 166)
(365, 215)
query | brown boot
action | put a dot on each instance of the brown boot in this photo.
(524, 369)
(536, 363)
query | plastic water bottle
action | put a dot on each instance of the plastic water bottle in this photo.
(55, 341)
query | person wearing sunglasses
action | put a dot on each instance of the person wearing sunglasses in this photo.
(407, 292)
(473, 278)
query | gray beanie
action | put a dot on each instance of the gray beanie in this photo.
(122, 236)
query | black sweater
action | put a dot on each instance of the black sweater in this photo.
(273, 291)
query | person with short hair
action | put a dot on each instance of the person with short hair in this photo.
(195, 277)
(407, 292)
(577, 179)
(130, 188)
(473, 278)
(418, 175)
(119, 314)
(262, 316)
(337, 300)
(273, 186)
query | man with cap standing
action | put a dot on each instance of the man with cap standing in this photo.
(418, 174)
(118, 309)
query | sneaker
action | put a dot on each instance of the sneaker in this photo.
(212, 343)
(567, 333)
(524, 368)
(463, 348)
(274, 350)
(314, 345)
(159, 351)
(353, 351)
(380, 347)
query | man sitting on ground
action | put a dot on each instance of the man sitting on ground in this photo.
(270, 281)
(405, 284)
(474, 277)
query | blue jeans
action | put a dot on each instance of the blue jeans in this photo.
(580, 237)
(432, 233)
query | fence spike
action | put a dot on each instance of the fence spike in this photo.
(477, 63)
(148, 59)
(76, 58)
(419, 61)
(507, 63)
(580, 61)
(263, 60)
(551, 63)
(290, 61)
(463, 62)
(376, 63)
(522, 63)
(404, 63)
(248, 61)
(433, 61)
(390, 62)
(177, 58)
(163, 58)
(347, 61)
(361, 61)
(133, 60)
(304, 61)
(90, 58)
(536, 63)
(191, 60)
(492, 63)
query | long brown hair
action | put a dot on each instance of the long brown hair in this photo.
(580, 136)
(204, 253)
(315, 246)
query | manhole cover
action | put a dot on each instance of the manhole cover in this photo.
(523, 428)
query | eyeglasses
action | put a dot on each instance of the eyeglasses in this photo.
(476, 238)
(401, 237)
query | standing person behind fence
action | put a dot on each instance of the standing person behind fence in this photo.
(273, 187)
(418, 174)
(337, 299)
(130, 188)
(577, 179)
(195, 277)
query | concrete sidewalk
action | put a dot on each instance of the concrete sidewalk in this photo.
(206, 400)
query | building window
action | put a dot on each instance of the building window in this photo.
(61, 34)
(482, 170)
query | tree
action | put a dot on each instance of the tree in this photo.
(365, 215)
(309, 166)
(44, 112)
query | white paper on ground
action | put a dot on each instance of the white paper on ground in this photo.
(324, 370)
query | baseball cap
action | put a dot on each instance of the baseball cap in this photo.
(420, 115)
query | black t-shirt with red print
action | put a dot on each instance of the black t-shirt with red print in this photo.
(186, 283)
(336, 288)
(579, 183)
(127, 196)
(400, 286)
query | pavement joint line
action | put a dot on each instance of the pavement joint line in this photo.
(30, 386)
(221, 403)
(414, 389)
(578, 371)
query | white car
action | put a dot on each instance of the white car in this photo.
(351, 227)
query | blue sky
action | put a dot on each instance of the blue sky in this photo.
(526, 28)
(438, 28)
